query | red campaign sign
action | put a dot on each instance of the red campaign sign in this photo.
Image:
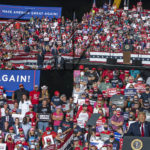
(111, 92)
(140, 87)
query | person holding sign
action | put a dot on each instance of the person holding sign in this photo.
(140, 127)
(44, 116)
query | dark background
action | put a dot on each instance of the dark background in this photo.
(58, 80)
(68, 6)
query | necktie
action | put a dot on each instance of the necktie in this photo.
(142, 130)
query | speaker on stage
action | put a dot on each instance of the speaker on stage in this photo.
(137, 62)
(112, 61)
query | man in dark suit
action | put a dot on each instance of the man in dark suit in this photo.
(140, 128)
(60, 62)
(40, 60)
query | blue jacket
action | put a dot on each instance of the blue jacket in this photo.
(134, 129)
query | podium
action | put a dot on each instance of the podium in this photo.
(136, 143)
(126, 57)
(127, 49)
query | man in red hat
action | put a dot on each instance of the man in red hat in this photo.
(31, 114)
(55, 101)
(84, 115)
(11, 131)
(18, 136)
(89, 106)
(49, 132)
(66, 125)
(18, 93)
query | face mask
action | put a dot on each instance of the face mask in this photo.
(9, 138)
(131, 81)
(48, 132)
(82, 73)
(90, 94)
(105, 128)
(118, 113)
(118, 92)
(107, 80)
(20, 145)
(139, 82)
(111, 141)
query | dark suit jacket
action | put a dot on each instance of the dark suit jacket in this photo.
(62, 61)
(134, 129)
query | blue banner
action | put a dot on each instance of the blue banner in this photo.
(10, 11)
(10, 79)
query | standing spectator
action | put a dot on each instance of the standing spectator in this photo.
(42, 125)
(24, 104)
(60, 62)
(57, 118)
(18, 93)
(34, 97)
(117, 121)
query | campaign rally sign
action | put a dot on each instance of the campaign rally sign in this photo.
(3, 146)
(130, 92)
(10, 79)
(140, 87)
(111, 92)
(11, 11)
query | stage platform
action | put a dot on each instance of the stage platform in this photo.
(74, 65)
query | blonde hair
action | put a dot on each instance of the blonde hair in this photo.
(141, 113)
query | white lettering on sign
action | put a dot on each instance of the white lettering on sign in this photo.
(18, 78)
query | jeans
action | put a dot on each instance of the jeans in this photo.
(35, 107)
(43, 125)
(56, 128)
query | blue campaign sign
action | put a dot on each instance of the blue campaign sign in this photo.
(130, 92)
(10, 79)
(10, 11)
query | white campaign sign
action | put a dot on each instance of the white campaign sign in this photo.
(3, 146)
(18, 116)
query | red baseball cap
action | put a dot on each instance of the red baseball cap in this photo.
(81, 67)
(56, 93)
(20, 129)
(48, 128)
(11, 128)
(30, 106)
(67, 115)
(19, 142)
(93, 68)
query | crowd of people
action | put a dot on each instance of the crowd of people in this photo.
(34, 121)
(103, 29)
(110, 104)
